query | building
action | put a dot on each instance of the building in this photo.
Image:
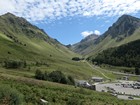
(97, 79)
(125, 78)
(82, 83)
(85, 84)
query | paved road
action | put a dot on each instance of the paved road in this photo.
(117, 72)
(114, 72)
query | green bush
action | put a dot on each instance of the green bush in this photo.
(9, 96)
(39, 74)
(13, 64)
(137, 71)
(55, 76)
(76, 59)
(71, 80)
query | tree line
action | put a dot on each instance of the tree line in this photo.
(127, 55)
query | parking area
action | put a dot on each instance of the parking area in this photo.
(121, 89)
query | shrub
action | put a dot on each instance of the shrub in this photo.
(71, 80)
(55, 76)
(76, 59)
(45, 76)
(13, 64)
(39, 74)
(9, 96)
(137, 71)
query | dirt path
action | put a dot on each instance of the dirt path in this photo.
(94, 68)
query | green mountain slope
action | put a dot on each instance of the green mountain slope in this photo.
(20, 40)
(127, 55)
(17, 33)
(124, 30)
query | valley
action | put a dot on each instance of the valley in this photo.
(26, 50)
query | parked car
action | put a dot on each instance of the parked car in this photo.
(130, 97)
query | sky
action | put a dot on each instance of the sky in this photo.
(69, 21)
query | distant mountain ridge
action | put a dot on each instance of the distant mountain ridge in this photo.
(84, 43)
(124, 30)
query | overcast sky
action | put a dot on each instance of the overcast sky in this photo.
(71, 20)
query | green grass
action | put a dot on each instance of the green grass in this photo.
(117, 68)
(43, 52)
(38, 50)
(57, 94)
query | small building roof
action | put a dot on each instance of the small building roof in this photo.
(97, 78)
(81, 81)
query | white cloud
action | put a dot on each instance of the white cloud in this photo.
(40, 10)
(86, 13)
(97, 32)
(86, 33)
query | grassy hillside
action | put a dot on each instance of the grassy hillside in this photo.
(57, 94)
(126, 55)
(18, 34)
(21, 41)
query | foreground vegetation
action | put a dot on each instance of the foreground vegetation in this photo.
(9, 96)
(57, 94)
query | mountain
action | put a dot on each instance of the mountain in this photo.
(83, 44)
(29, 39)
(127, 55)
(22, 41)
(124, 30)
(123, 27)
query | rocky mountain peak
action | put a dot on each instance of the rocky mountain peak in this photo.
(125, 25)
(90, 38)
